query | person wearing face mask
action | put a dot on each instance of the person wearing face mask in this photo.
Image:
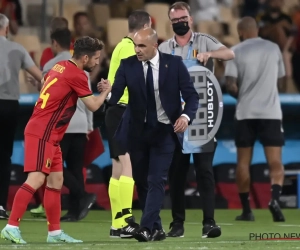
(195, 48)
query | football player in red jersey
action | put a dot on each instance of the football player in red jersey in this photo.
(63, 84)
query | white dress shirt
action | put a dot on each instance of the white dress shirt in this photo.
(161, 114)
(154, 62)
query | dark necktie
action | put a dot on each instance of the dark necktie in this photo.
(151, 117)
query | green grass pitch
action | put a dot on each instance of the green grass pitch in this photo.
(235, 235)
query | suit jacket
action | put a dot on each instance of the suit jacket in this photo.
(174, 79)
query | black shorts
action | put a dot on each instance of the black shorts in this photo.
(112, 120)
(269, 132)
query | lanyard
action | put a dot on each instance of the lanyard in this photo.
(189, 52)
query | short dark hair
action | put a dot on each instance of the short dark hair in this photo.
(79, 14)
(63, 37)
(137, 19)
(86, 46)
(179, 6)
(58, 23)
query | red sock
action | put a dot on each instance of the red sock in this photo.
(52, 205)
(21, 201)
(42, 192)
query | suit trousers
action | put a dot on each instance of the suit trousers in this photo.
(8, 124)
(151, 156)
(72, 147)
(205, 183)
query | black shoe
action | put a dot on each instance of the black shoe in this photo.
(245, 217)
(3, 214)
(177, 230)
(276, 211)
(158, 235)
(211, 230)
(142, 235)
(114, 233)
(130, 230)
(85, 204)
(69, 217)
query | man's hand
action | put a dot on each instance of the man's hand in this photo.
(104, 86)
(88, 134)
(34, 82)
(181, 124)
(203, 57)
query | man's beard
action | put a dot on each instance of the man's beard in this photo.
(88, 69)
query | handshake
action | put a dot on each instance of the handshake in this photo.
(104, 86)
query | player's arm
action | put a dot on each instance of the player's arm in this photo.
(35, 72)
(93, 103)
(282, 81)
(79, 84)
(29, 65)
(218, 50)
(231, 86)
(231, 74)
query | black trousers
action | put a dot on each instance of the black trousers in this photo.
(151, 156)
(205, 182)
(8, 124)
(72, 147)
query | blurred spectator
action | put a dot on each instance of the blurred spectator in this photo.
(275, 25)
(83, 27)
(18, 12)
(164, 1)
(8, 8)
(100, 1)
(56, 23)
(252, 7)
(153, 25)
(207, 10)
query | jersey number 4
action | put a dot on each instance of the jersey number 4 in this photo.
(44, 95)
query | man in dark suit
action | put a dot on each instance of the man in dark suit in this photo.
(154, 121)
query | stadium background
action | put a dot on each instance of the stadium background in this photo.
(109, 20)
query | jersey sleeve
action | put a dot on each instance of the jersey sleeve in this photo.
(27, 61)
(212, 43)
(281, 67)
(231, 69)
(80, 85)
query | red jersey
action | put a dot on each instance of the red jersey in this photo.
(47, 55)
(52, 113)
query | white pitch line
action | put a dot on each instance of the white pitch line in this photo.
(159, 243)
(107, 221)
(200, 223)
(288, 225)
